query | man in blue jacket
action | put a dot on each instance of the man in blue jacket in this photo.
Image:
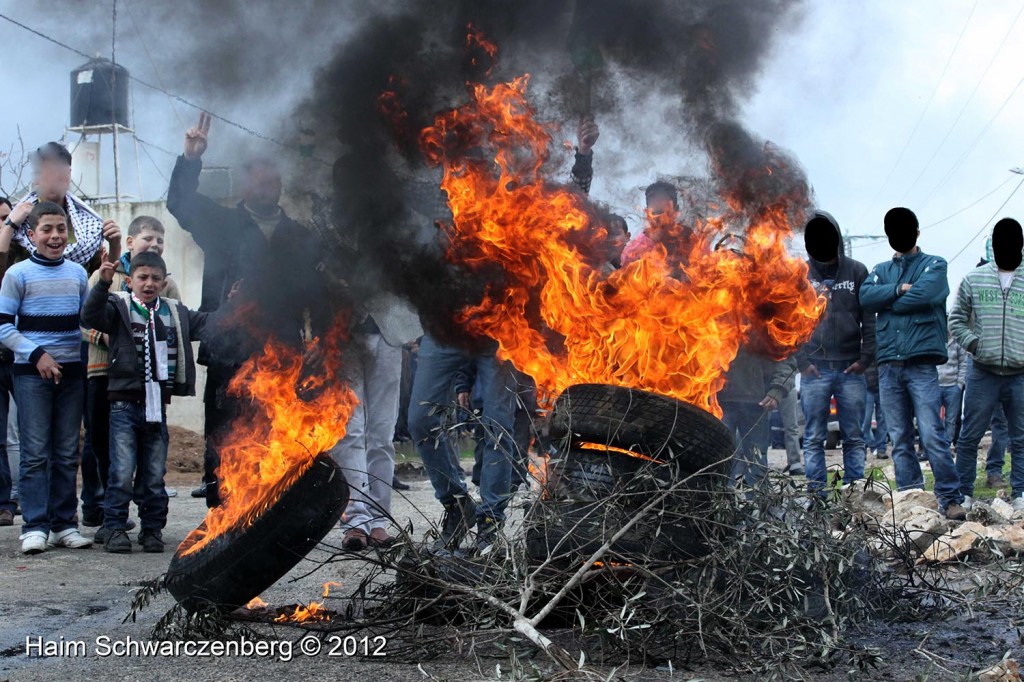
(909, 294)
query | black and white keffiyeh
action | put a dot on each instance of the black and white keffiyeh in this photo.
(86, 225)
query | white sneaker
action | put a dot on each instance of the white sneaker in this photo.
(33, 542)
(1018, 503)
(70, 538)
(968, 503)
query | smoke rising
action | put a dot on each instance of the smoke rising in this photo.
(597, 58)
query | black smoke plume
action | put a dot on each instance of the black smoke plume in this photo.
(704, 56)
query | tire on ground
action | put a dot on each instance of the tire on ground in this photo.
(240, 564)
(688, 437)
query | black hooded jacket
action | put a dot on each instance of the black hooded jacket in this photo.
(846, 333)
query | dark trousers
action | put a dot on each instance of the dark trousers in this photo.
(220, 410)
(7, 477)
(96, 457)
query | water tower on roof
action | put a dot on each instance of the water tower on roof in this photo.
(99, 108)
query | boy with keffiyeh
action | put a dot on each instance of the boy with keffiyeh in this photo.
(150, 359)
(145, 233)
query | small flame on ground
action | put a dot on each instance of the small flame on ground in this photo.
(314, 611)
(256, 603)
(327, 588)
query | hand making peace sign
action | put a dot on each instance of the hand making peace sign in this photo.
(196, 137)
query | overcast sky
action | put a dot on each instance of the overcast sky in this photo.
(860, 91)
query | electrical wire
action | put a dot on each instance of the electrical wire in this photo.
(173, 96)
(985, 226)
(970, 98)
(924, 111)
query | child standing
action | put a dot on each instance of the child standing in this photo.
(150, 359)
(145, 233)
(39, 303)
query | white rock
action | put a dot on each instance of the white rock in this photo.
(1002, 507)
(923, 528)
(915, 497)
(1009, 540)
(1004, 671)
(867, 497)
(955, 545)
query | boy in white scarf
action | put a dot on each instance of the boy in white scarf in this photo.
(150, 345)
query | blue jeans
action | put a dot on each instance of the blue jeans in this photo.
(138, 463)
(431, 387)
(952, 401)
(6, 477)
(751, 427)
(1000, 442)
(913, 391)
(50, 419)
(874, 438)
(984, 392)
(850, 391)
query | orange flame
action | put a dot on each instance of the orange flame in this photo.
(327, 588)
(299, 409)
(479, 48)
(256, 603)
(314, 611)
(671, 322)
(621, 451)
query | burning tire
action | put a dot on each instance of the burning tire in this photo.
(240, 564)
(621, 447)
(669, 430)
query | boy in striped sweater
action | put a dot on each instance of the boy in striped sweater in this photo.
(39, 303)
(988, 320)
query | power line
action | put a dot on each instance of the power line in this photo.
(970, 205)
(985, 226)
(152, 62)
(974, 144)
(924, 111)
(178, 98)
(970, 98)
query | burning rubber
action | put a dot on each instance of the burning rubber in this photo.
(241, 563)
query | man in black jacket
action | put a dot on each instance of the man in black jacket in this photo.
(254, 248)
(833, 362)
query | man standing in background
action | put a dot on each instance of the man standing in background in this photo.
(909, 295)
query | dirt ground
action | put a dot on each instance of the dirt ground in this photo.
(67, 595)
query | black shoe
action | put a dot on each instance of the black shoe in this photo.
(129, 525)
(399, 485)
(92, 519)
(152, 542)
(459, 517)
(212, 495)
(118, 543)
(200, 491)
(486, 533)
(101, 536)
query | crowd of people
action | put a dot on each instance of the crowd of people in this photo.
(93, 334)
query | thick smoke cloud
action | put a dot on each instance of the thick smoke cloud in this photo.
(703, 57)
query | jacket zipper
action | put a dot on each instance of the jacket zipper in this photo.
(1002, 335)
